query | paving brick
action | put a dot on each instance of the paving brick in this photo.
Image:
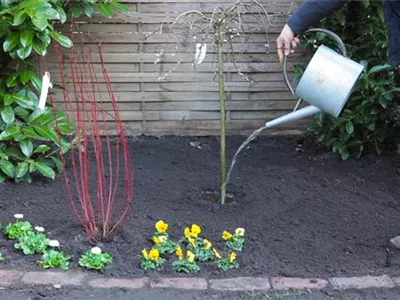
(364, 282)
(180, 283)
(9, 277)
(396, 280)
(48, 277)
(241, 284)
(287, 283)
(135, 283)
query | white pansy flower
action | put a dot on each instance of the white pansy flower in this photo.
(96, 250)
(39, 229)
(54, 243)
(19, 216)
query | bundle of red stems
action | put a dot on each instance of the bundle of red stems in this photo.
(101, 192)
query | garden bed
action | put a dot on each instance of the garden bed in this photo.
(306, 213)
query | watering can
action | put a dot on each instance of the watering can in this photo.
(326, 84)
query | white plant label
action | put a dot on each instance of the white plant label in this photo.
(201, 50)
(46, 84)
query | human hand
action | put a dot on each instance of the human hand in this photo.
(286, 42)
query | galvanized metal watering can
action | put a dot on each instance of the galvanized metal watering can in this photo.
(326, 84)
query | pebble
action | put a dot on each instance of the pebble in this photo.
(395, 242)
(57, 286)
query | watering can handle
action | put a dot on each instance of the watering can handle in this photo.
(333, 35)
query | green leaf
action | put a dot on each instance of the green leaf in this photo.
(19, 18)
(21, 169)
(349, 127)
(7, 114)
(12, 79)
(26, 38)
(62, 40)
(41, 149)
(37, 84)
(26, 147)
(119, 6)
(7, 167)
(379, 68)
(8, 99)
(44, 132)
(11, 42)
(345, 154)
(89, 10)
(63, 15)
(51, 13)
(45, 170)
(23, 53)
(57, 163)
(25, 76)
(105, 10)
(9, 133)
(2, 177)
(40, 21)
(76, 11)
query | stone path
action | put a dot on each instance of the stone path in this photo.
(17, 278)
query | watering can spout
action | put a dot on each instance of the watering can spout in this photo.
(294, 116)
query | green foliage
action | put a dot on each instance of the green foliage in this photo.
(227, 263)
(1, 256)
(185, 266)
(54, 259)
(364, 123)
(18, 229)
(32, 242)
(94, 261)
(29, 141)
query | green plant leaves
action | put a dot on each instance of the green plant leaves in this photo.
(105, 10)
(7, 114)
(11, 42)
(62, 40)
(26, 38)
(45, 170)
(349, 127)
(7, 168)
(26, 147)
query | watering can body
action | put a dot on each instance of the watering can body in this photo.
(326, 84)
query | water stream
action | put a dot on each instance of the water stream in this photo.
(242, 146)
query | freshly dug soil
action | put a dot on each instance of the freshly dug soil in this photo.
(306, 212)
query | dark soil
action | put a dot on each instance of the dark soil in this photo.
(306, 212)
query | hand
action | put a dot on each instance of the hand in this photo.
(286, 42)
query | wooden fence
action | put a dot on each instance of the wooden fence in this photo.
(186, 101)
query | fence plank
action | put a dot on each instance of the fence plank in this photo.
(157, 88)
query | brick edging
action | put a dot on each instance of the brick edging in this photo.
(14, 277)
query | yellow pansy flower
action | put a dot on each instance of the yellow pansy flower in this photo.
(154, 254)
(216, 253)
(187, 232)
(179, 253)
(232, 257)
(239, 231)
(207, 244)
(145, 254)
(162, 239)
(156, 240)
(226, 235)
(190, 256)
(196, 230)
(161, 226)
(192, 241)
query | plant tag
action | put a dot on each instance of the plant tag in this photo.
(46, 84)
(201, 50)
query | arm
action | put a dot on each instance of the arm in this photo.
(312, 11)
(307, 14)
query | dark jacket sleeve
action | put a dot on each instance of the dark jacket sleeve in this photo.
(310, 12)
